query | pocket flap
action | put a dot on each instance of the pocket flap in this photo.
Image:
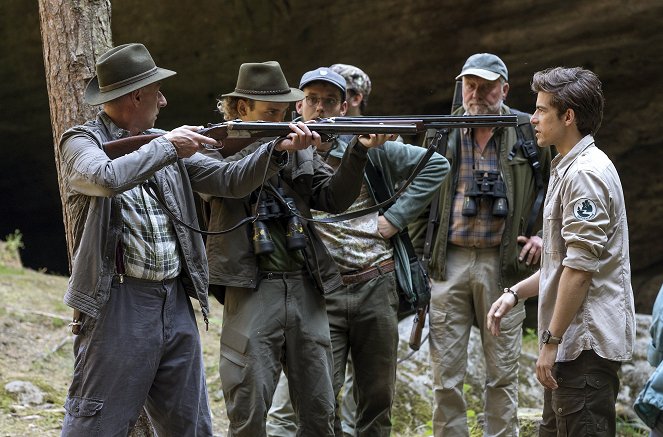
(234, 357)
(564, 405)
(82, 407)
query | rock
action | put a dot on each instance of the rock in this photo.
(26, 392)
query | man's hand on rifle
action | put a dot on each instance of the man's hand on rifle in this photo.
(187, 141)
(375, 140)
(300, 138)
(498, 310)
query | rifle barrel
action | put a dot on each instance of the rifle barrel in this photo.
(438, 121)
(245, 129)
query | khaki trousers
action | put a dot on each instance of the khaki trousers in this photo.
(463, 298)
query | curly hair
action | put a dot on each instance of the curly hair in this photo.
(228, 107)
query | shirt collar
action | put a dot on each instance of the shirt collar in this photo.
(114, 131)
(561, 163)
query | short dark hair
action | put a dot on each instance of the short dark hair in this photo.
(228, 107)
(573, 88)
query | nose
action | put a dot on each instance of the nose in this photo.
(162, 100)
(534, 119)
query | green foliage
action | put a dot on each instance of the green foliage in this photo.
(14, 242)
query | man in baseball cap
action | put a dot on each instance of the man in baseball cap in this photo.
(324, 94)
(498, 246)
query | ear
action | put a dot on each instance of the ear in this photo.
(569, 117)
(242, 107)
(298, 106)
(355, 100)
(136, 96)
(344, 107)
(505, 90)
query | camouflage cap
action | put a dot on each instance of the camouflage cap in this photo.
(355, 78)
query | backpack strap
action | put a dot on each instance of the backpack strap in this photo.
(527, 143)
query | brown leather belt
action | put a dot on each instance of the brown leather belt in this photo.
(369, 273)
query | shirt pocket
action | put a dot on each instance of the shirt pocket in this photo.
(553, 243)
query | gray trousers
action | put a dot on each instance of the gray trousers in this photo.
(283, 323)
(363, 324)
(144, 349)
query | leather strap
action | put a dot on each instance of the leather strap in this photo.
(369, 273)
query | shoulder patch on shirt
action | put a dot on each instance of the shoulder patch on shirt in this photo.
(584, 209)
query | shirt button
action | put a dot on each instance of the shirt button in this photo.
(559, 410)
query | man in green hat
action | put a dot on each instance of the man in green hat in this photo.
(273, 289)
(132, 267)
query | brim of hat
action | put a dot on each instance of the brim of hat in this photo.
(484, 74)
(323, 79)
(95, 97)
(294, 95)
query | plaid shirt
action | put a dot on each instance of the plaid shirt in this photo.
(148, 238)
(484, 229)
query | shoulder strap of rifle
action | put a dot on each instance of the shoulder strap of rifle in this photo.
(382, 194)
(527, 143)
(439, 142)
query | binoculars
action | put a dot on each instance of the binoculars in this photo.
(269, 208)
(486, 184)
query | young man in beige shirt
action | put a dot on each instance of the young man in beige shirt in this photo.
(586, 312)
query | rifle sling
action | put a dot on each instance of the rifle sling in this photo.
(151, 189)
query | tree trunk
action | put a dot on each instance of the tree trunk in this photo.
(74, 33)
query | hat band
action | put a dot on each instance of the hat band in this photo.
(128, 81)
(258, 92)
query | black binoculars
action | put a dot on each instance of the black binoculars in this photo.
(486, 184)
(269, 208)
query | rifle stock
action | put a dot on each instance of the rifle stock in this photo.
(417, 327)
(235, 135)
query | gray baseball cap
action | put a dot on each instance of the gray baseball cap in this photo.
(484, 65)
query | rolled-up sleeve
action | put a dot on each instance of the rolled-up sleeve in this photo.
(586, 220)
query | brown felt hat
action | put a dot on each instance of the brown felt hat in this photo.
(121, 70)
(264, 81)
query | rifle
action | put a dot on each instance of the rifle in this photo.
(435, 121)
(237, 134)
(417, 327)
(439, 140)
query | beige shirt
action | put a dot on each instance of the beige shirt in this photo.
(585, 228)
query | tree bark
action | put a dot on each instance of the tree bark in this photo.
(74, 33)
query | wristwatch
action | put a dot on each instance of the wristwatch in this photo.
(548, 338)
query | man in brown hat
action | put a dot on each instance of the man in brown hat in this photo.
(274, 309)
(132, 267)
